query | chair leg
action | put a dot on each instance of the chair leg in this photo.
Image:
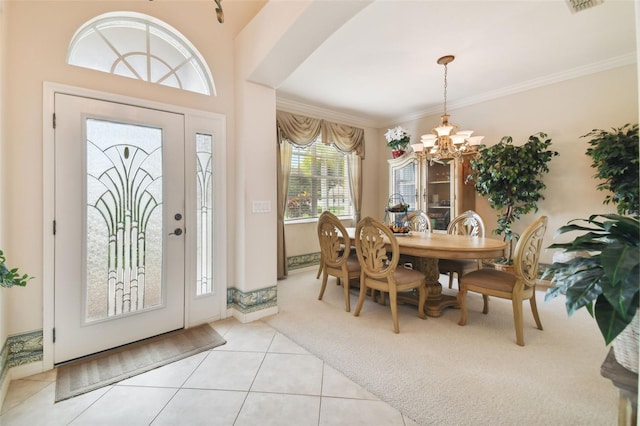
(451, 279)
(393, 301)
(363, 294)
(462, 301)
(422, 299)
(534, 310)
(320, 268)
(325, 277)
(517, 319)
(347, 300)
(485, 307)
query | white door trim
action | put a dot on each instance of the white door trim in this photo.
(192, 120)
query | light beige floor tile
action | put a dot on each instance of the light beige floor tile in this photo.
(224, 325)
(224, 370)
(194, 407)
(45, 376)
(287, 373)
(269, 409)
(352, 412)
(40, 409)
(126, 405)
(282, 344)
(172, 375)
(255, 337)
(20, 390)
(337, 384)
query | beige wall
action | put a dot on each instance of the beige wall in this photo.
(40, 34)
(36, 51)
(564, 111)
(3, 159)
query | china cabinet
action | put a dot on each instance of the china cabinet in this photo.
(437, 188)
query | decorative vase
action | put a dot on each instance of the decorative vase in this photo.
(625, 345)
(397, 153)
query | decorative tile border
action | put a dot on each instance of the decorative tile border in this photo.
(303, 260)
(20, 349)
(252, 301)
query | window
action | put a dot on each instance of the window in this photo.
(319, 181)
(139, 46)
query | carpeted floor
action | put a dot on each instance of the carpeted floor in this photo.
(439, 373)
(93, 372)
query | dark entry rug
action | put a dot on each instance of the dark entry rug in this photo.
(108, 367)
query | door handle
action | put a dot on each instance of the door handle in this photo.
(177, 231)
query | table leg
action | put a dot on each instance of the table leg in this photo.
(436, 301)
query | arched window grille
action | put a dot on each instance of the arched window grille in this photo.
(139, 46)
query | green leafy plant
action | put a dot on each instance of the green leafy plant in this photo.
(397, 138)
(616, 158)
(512, 179)
(11, 277)
(606, 281)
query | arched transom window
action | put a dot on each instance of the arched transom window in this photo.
(139, 46)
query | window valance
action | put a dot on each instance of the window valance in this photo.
(303, 131)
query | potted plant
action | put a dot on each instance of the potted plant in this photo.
(603, 275)
(11, 277)
(398, 140)
(512, 178)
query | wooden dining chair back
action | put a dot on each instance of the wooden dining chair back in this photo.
(468, 223)
(336, 257)
(419, 221)
(378, 254)
(517, 286)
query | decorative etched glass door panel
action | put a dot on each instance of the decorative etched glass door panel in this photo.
(204, 214)
(119, 242)
(123, 217)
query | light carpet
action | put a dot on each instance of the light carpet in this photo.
(439, 373)
(108, 367)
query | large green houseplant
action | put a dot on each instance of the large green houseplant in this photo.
(603, 274)
(512, 178)
(11, 277)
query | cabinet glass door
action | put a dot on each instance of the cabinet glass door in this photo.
(439, 199)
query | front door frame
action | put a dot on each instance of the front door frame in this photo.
(195, 121)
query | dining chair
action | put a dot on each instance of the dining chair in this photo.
(419, 221)
(379, 268)
(337, 260)
(517, 286)
(468, 223)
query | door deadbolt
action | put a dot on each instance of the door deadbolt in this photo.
(177, 216)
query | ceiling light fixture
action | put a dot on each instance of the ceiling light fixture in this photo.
(442, 145)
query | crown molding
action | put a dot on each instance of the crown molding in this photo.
(294, 106)
(612, 63)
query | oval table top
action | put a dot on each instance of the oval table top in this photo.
(446, 246)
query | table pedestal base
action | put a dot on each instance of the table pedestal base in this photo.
(436, 301)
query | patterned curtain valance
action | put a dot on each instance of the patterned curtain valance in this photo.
(303, 131)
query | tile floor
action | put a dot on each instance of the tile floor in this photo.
(259, 377)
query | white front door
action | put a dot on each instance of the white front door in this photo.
(119, 224)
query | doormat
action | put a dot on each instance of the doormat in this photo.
(111, 366)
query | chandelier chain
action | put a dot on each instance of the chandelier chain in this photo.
(445, 89)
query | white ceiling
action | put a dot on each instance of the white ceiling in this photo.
(381, 64)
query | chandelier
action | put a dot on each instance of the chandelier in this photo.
(442, 144)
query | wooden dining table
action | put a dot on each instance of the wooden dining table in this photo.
(427, 247)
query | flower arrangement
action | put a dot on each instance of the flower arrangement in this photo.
(397, 138)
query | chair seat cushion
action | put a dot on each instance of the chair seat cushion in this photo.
(406, 276)
(352, 263)
(461, 266)
(491, 279)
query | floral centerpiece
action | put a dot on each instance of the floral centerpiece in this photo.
(397, 139)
